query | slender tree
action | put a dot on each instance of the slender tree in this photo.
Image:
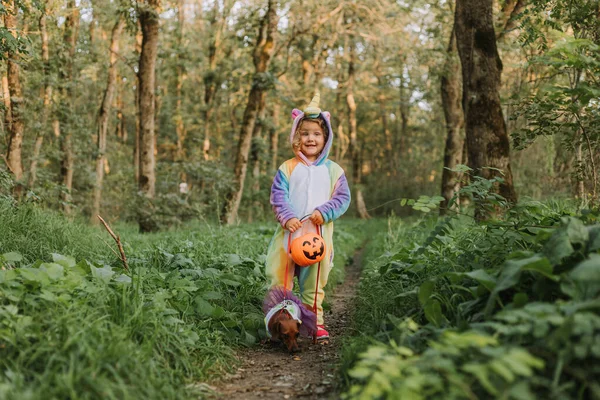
(47, 99)
(263, 51)
(103, 115)
(149, 21)
(179, 73)
(15, 113)
(453, 114)
(353, 133)
(71, 29)
(487, 139)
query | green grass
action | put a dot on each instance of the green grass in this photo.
(74, 324)
(503, 309)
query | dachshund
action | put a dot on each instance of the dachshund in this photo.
(284, 328)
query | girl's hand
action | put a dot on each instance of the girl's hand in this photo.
(316, 217)
(293, 225)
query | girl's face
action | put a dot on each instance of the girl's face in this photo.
(312, 140)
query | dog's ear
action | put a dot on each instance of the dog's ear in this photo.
(276, 331)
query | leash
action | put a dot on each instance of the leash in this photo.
(287, 264)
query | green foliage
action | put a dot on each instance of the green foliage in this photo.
(74, 323)
(505, 309)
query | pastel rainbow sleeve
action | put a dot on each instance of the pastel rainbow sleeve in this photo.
(339, 202)
(280, 194)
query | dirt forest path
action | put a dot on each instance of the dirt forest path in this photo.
(269, 372)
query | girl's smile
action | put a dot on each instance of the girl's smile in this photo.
(312, 140)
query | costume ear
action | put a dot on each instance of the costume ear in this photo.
(327, 115)
(296, 112)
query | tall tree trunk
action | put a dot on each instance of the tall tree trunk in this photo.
(39, 140)
(263, 51)
(352, 131)
(16, 126)
(487, 139)
(274, 137)
(6, 99)
(136, 149)
(179, 125)
(255, 147)
(217, 22)
(453, 113)
(103, 116)
(66, 75)
(383, 112)
(121, 128)
(147, 78)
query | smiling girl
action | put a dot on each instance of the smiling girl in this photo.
(307, 185)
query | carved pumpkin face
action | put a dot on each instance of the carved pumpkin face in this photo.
(308, 249)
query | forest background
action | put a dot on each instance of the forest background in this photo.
(164, 111)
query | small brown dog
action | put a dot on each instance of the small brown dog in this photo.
(284, 328)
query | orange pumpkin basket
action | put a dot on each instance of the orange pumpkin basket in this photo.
(308, 249)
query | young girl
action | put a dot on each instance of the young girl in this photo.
(307, 185)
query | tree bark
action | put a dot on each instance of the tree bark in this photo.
(179, 125)
(66, 75)
(39, 140)
(352, 132)
(136, 149)
(147, 79)
(16, 127)
(383, 112)
(274, 137)
(508, 21)
(487, 138)
(262, 57)
(211, 80)
(451, 102)
(103, 116)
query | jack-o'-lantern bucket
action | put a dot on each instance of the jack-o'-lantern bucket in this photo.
(308, 249)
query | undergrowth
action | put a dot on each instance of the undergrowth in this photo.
(449, 308)
(75, 324)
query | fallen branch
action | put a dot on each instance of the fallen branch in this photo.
(118, 240)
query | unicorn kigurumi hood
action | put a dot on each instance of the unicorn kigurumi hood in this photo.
(313, 111)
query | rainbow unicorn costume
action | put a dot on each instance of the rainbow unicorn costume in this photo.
(299, 188)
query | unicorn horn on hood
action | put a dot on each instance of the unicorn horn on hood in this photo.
(313, 110)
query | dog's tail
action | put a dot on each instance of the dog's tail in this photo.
(278, 294)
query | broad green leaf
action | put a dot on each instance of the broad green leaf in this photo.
(11, 309)
(481, 276)
(35, 275)
(587, 270)
(558, 247)
(203, 307)
(433, 312)
(520, 299)
(123, 279)
(7, 275)
(12, 256)
(55, 271)
(425, 291)
(481, 373)
(230, 282)
(65, 261)
(594, 243)
(577, 232)
(249, 339)
(234, 259)
(212, 295)
(104, 274)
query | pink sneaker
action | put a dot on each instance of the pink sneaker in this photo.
(322, 333)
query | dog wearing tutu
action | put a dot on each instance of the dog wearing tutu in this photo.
(286, 318)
